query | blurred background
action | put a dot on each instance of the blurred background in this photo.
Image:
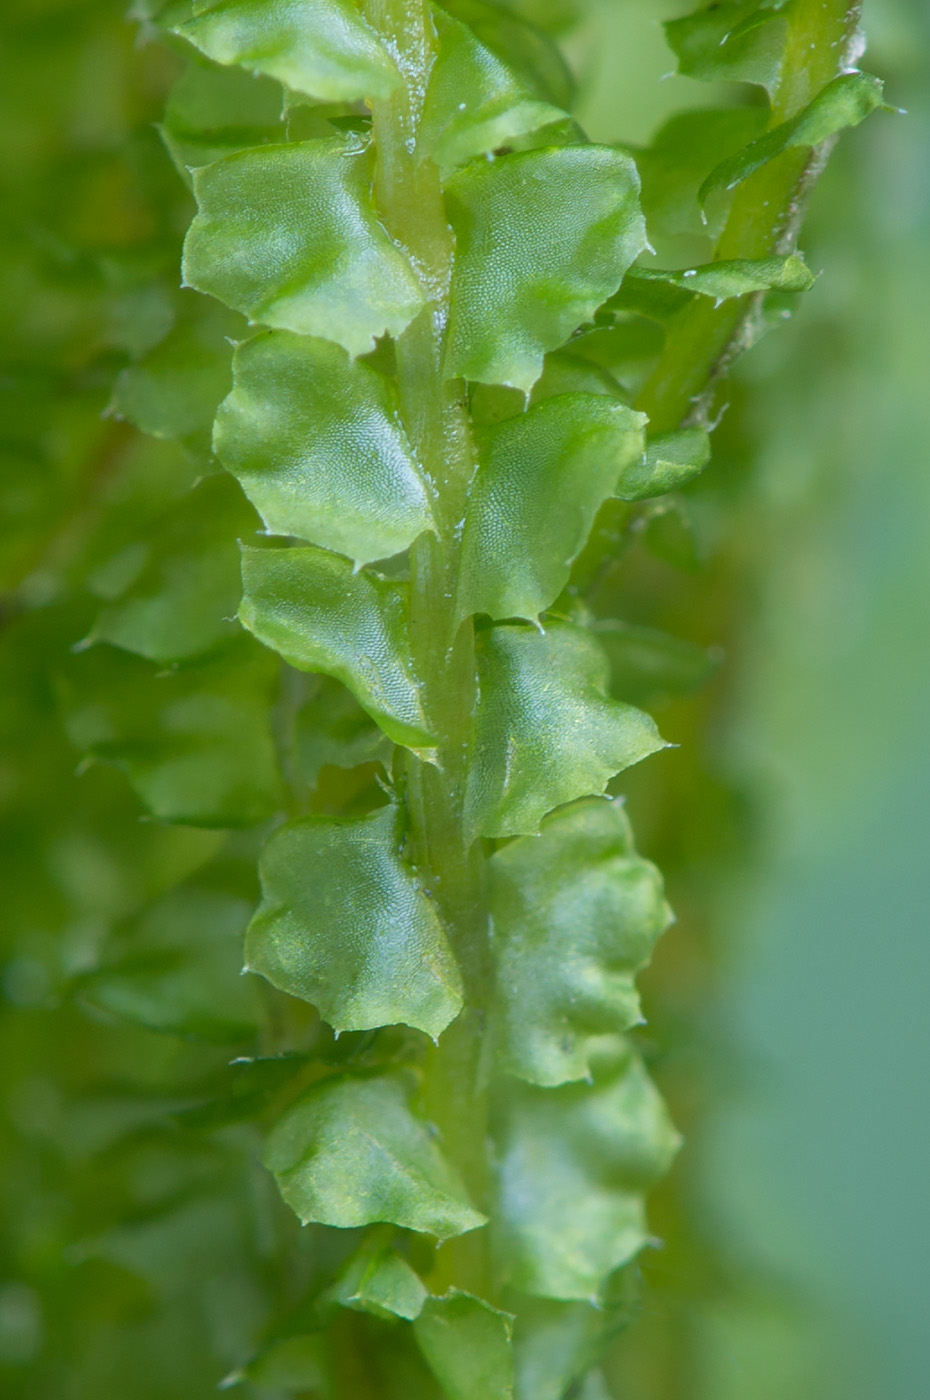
(787, 1006)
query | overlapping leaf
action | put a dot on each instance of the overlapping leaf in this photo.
(324, 48)
(316, 441)
(543, 238)
(575, 1163)
(670, 461)
(736, 41)
(351, 1152)
(542, 477)
(474, 102)
(289, 236)
(321, 615)
(378, 1280)
(468, 1346)
(576, 914)
(546, 731)
(344, 925)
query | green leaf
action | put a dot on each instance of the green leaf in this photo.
(351, 1152)
(343, 924)
(521, 45)
(177, 970)
(844, 102)
(735, 277)
(541, 478)
(646, 665)
(576, 915)
(299, 1363)
(316, 441)
(734, 41)
(213, 112)
(380, 1281)
(543, 238)
(474, 102)
(670, 461)
(468, 1346)
(175, 390)
(321, 615)
(183, 602)
(195, 744)
(684, 149)
(546, 731)
(289, 236)
(553, 1346)
(331, 728)
(574, 1164)
(323, 48)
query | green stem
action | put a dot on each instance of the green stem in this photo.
(410, 200)
(764, 218)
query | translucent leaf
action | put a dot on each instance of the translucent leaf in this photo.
(736, 41)
(543, 238)
(183, 602)
(474, 103)
(541, 478)
(685, 148)
(736, 277)
(546, 731)
(468, 1346)
(574, 1164)
(521, 45)
(646, 665)
(323, 48)
(351, 1152)
(321, 615)
(195, 744)
(175, 390)
(315, 439)
(670, 461)
(576, 915)
(212, 112)
(380, 1281)
(343, 924)
(331, 728)
(553, 1346)
(289, 236)
(177, 970)
(844, 102)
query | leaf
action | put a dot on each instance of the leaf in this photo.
(351, 1152)
(343, 924)
(195, 744)
(844, 102)
(213, 112)
(380, 1281)
(521, 45)
(646, 665)
(736, 41)
(321, 615)
(553, 1346)
(323, 48)
(735, 277)
(331, 728)
(684, 149)
(474, 102)
(183, 602)
(574, 1164)
(299, 1363)
(468, 1346)
(289, 236)
(541, 478)
(316, 441)
(670, 461)
(545, 730)
(177, 970)
(543, 238)
(576, 915)
(175, 390)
